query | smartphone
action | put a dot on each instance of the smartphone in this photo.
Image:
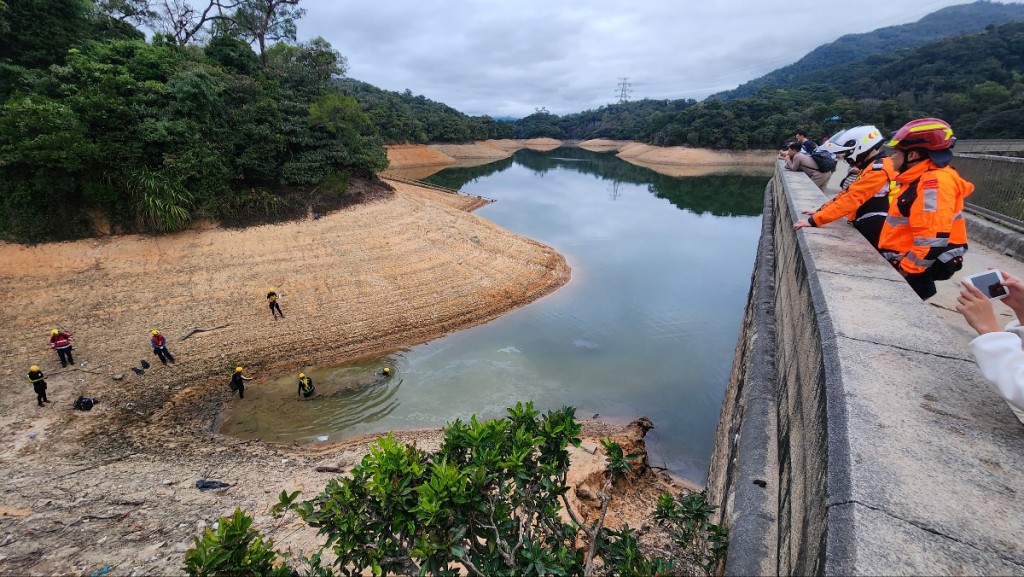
(988, 283)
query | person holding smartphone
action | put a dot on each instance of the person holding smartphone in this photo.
(999, 352)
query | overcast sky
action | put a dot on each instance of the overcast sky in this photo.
(508, 58)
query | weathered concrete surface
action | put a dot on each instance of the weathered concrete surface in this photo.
(887, 452)
(999, 238)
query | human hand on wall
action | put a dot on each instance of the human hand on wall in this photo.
(801, 224)
(977, 310)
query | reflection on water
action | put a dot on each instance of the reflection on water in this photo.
(646, 327)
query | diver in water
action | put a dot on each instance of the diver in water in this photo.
(306, 388)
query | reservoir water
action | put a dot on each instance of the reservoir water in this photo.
(646, 327)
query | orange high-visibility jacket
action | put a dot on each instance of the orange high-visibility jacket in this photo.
(925, 217)
(873, 182)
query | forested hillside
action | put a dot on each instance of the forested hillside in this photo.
(402, 117)
(100, 128)
(975, 81)
(945, 23)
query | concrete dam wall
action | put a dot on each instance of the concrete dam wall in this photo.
(857, 436)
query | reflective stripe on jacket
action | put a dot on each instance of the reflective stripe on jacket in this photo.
(868, 194)
(60, 340)
(925, 217)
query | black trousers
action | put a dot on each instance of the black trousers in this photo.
(274, 306)
(40, 389)
(164, 354)
(241, 390)
(923, 284)
(65, 356)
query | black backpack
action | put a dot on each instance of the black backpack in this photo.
(825, 160)
(84, 403)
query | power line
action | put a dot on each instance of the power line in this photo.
(624, 89)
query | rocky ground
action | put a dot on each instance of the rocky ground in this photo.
(115, 487)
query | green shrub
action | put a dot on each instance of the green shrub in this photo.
(235, 549)
(489, 502)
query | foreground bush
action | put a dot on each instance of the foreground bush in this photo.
(487, 502)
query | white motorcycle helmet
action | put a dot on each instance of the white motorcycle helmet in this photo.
(837, 143)
(864, 140)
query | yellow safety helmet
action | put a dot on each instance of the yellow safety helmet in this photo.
(387, 370)
(34, 368)
(54, 331)
(155, 332)
(302, 375)
(271, 290)
(238, 369)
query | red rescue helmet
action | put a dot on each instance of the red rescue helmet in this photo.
(931, 135)
(927, 133)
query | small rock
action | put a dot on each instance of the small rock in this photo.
(150, 559)
(181, 547)
(589, 447)
(200, 526)
(32, 435)
(167, 482)
(101, 541)
(119, 376)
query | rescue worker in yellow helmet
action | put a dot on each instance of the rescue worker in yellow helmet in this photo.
(866, 200)
(306, 387)
(275, 307)
(238, 382)
(159, 343)
(35, 376)
(60, 341)
(925, 235)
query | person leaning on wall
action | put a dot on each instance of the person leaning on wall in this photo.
(866, 200)
(797, 161)
(925, 235)
(999, 352)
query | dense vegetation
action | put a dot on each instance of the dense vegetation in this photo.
(101, 129)
(851, 48)
(490, 501)
(402, 117)
(99, 126)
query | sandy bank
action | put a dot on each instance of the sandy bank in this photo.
(420, 161)
(407, 267)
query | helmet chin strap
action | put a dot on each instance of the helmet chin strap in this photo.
(907, 163)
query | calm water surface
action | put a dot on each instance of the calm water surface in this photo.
(646, 327)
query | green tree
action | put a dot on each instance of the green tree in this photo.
(261, 21)
(40, 32)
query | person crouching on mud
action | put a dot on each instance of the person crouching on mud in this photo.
(306, 388)
(238, 382)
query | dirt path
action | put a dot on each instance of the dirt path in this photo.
(115, 486)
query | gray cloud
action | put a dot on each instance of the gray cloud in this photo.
(509, 58)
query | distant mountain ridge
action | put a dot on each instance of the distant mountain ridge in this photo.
(944, 23)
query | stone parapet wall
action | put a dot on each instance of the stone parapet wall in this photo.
(857, 436)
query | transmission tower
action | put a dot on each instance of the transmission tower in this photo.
(624, 89)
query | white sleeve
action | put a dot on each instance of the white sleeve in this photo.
(1001, 358)
(1014, 327)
